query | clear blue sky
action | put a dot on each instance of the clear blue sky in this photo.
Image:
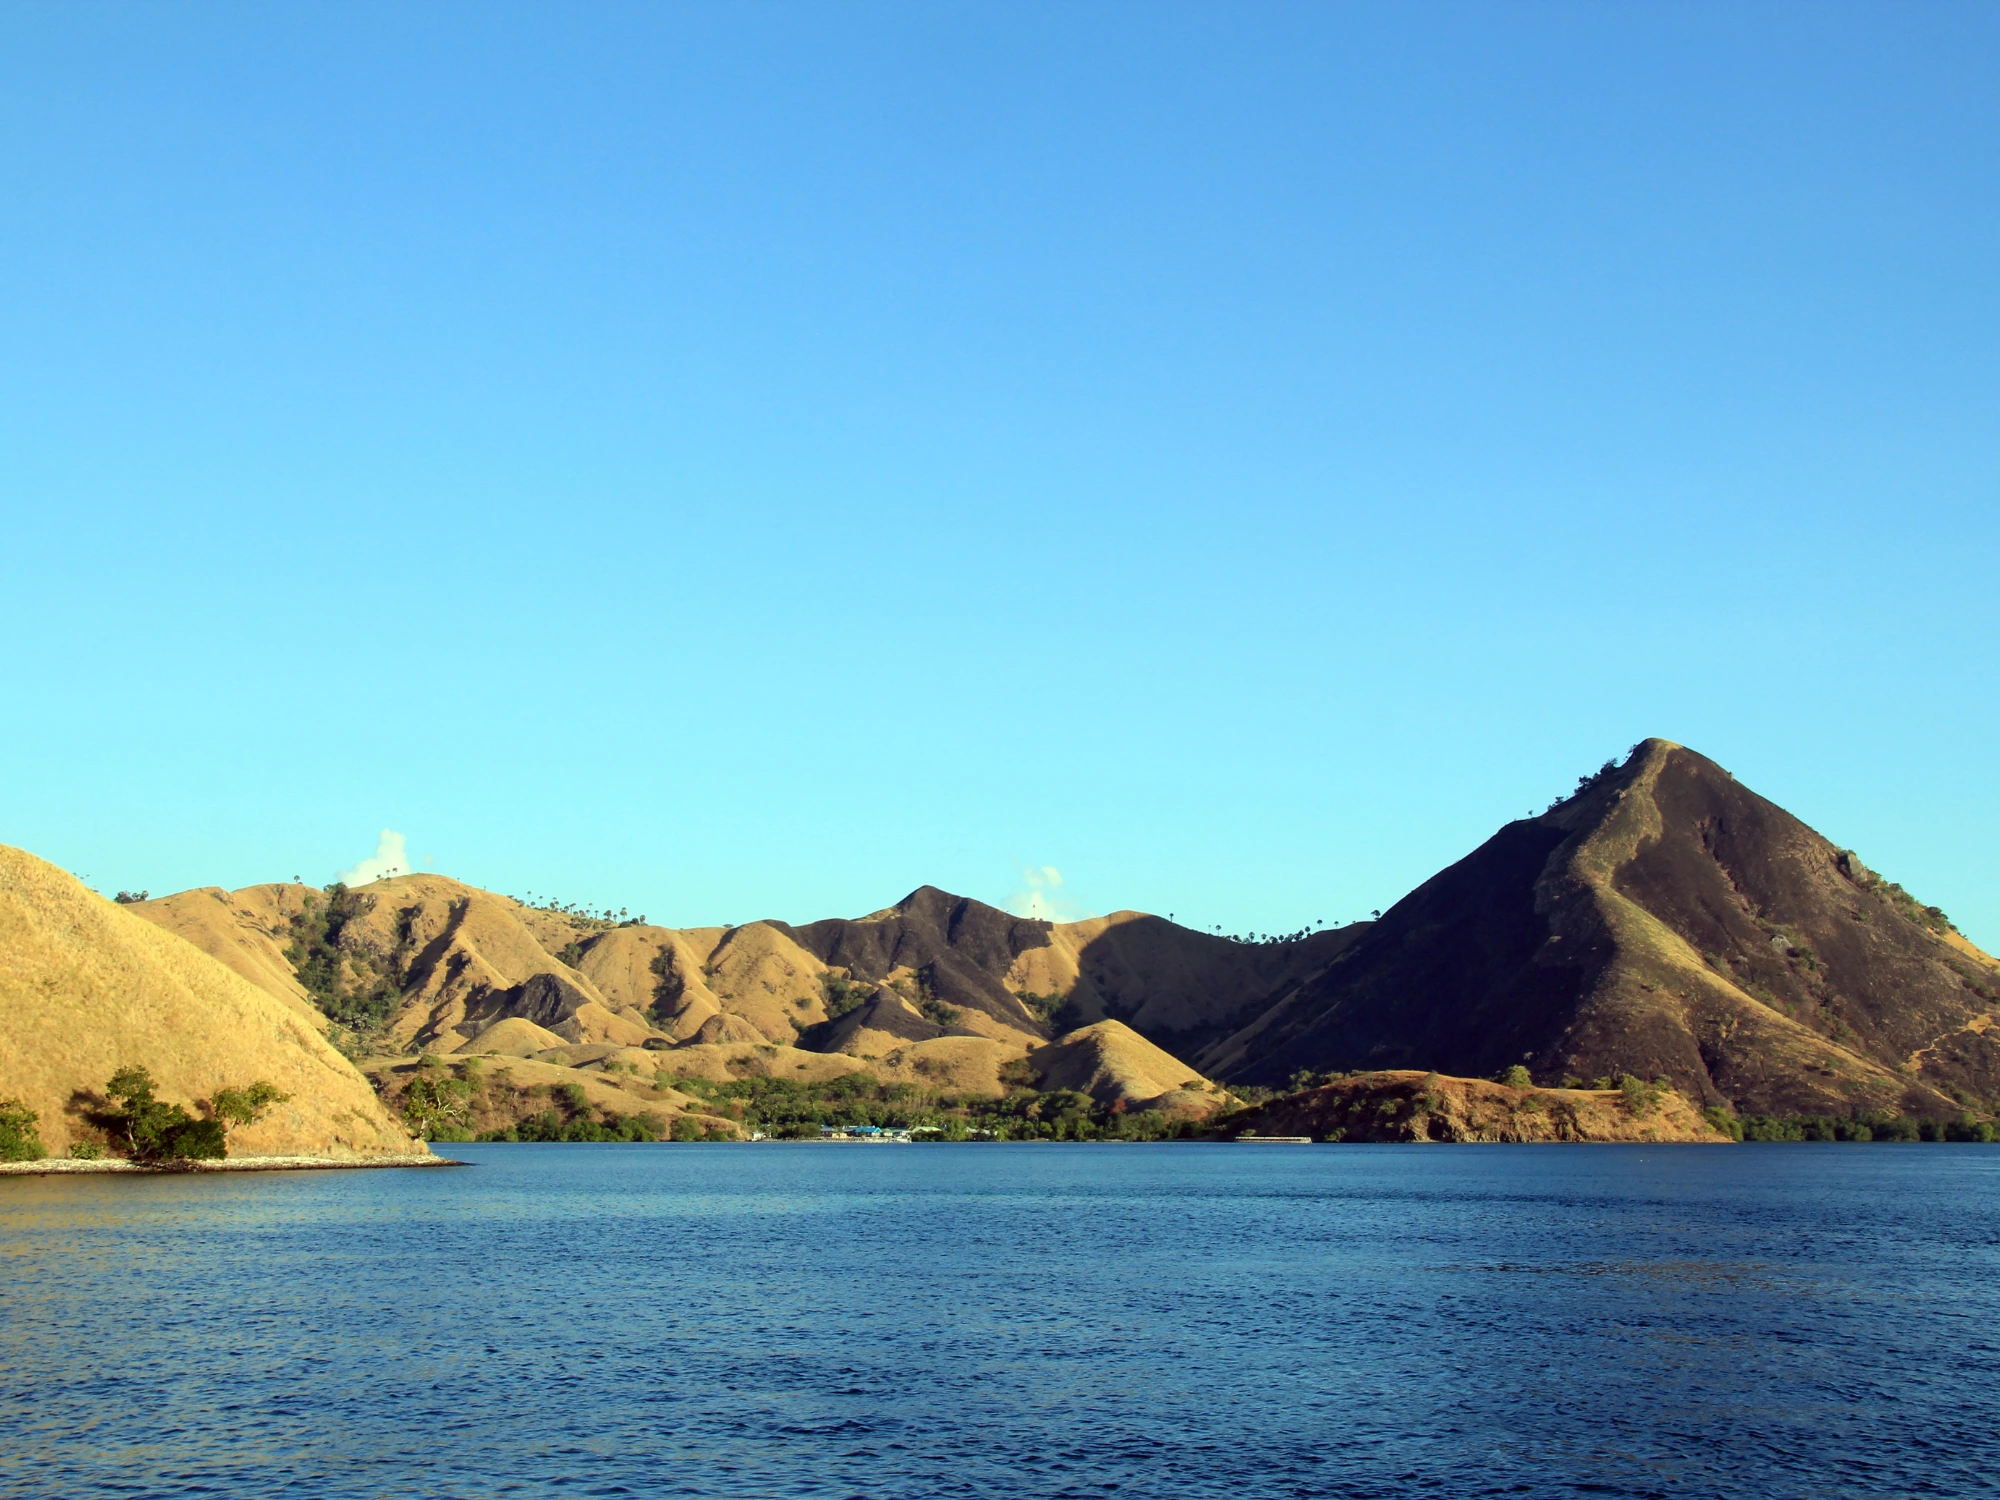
(749, 460)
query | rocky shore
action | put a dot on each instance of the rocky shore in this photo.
(64, 1165)
(1407, 1105)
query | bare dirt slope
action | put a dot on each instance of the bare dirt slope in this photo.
(1663, 921)
(1413, 1106)
(87, 987)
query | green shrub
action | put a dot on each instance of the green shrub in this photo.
(156, 1133)
(19, 1141)
(346, 977)
(549, 1126)
(1771, 1128)
(1642, 1098)
(85, 1151)
(1724, 1120)
(437, 1106)
(936, 1011)
(842, 995)
(1879, 1126)
(1517, 1077)
(1057, 1012)
(245, 1105)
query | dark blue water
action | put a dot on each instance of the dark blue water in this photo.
(1172, 1321)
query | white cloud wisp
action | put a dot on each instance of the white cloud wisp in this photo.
(1041, 896)
(391, 857)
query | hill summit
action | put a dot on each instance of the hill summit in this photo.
(1663, 921)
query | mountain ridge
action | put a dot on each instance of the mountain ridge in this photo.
(1661, 921)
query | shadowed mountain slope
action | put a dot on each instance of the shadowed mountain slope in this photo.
(1664, 921)
(957, 951)
(1180, 988)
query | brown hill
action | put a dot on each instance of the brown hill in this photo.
(86, 988)
(1172, 984)
(1663, 921)
(1115, 1065)
(452, 970)
(443, 963)
(432, 961)
(953, 954)
(1412, 1106)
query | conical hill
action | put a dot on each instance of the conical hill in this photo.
(1665, 921)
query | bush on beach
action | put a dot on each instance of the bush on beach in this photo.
(18, 1138)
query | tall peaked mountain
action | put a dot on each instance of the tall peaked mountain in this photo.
(1664, 921)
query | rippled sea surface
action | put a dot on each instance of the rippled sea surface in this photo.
(887, 1321)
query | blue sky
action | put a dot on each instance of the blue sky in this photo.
(735, 461)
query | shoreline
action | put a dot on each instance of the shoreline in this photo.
(66, 1166)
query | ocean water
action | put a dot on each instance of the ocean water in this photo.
(1014, 1320)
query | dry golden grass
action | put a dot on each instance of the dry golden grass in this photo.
(1111, 1062)
(513, 1037)
(760, 974)
(88, 987)
(721, 1062)
(248, 930)
(958, 1064)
